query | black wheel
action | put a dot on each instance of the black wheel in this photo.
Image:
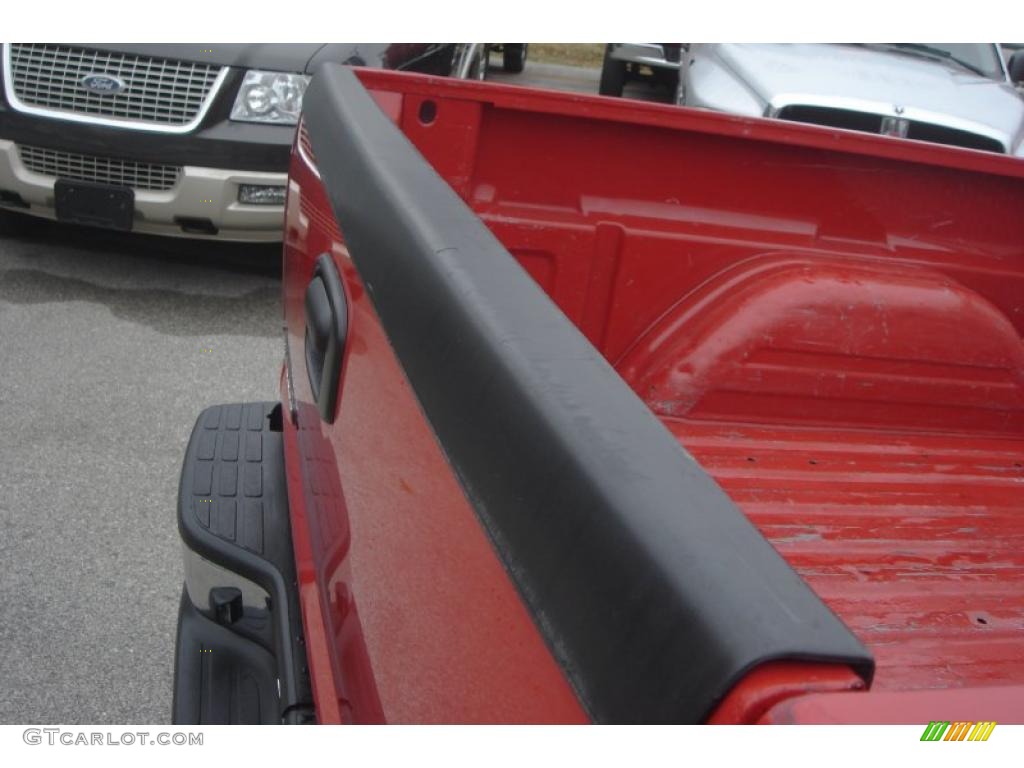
(613, 76)
(513, 57)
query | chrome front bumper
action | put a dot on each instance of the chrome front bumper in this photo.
(200, 193)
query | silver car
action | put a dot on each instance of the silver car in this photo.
(960, 94)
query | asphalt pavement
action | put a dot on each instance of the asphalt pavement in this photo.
(110, 345)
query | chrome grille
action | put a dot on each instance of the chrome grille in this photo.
(157, 92)
(870, 122)
(105, 170)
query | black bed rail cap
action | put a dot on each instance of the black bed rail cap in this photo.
(651, 588)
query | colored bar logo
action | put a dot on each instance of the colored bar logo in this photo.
(939, 730)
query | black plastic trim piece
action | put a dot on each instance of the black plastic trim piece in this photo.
(326, 330)
(220, 678)
(216, 144)
(233, 511)
(652, 589)
(99, 205)
(195, 225)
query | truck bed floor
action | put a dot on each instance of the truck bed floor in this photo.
(917, 543)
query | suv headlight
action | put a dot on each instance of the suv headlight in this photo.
(270, 97)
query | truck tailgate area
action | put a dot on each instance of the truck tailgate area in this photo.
(915, 541)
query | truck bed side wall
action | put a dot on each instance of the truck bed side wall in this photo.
(630, 562)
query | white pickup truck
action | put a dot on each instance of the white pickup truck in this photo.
(960, 94)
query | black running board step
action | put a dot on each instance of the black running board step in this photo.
(233, 513)
(221, 678)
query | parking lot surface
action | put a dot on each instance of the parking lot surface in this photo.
(111, 345)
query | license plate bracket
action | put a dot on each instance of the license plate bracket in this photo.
(99, 205)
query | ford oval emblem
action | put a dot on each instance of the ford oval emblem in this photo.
(103, 84)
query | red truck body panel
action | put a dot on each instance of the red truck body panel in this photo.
(828, 322)
(416, 615)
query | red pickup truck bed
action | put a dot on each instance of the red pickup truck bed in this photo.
(915, 541)
(490, 524)
(833, 333)
(829, 323)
